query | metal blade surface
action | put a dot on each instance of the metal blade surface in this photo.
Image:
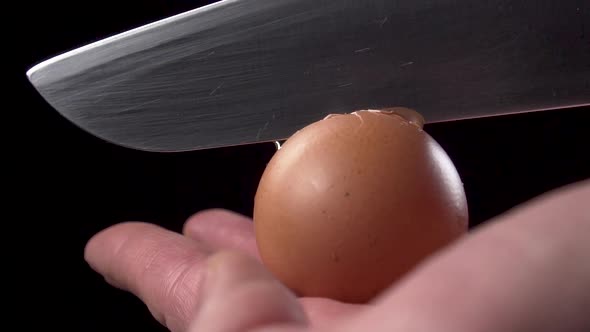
(246, 71)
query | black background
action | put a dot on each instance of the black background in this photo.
(73, 184)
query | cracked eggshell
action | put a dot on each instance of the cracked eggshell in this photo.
(353, 202)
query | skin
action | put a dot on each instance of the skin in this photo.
(526, 270)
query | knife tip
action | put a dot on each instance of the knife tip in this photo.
(31, 71)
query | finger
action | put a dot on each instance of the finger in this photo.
(525, 271)
(228, 230)
(162, 268)
(223, 229)
(242, 296)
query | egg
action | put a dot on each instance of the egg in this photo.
(352, 203)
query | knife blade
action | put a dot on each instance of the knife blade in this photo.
(247, 71)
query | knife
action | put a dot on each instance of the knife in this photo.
(246, 71)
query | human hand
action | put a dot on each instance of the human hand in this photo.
(527, 270)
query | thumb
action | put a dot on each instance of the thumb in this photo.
(240, 295)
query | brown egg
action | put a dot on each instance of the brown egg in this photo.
(353, 202)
